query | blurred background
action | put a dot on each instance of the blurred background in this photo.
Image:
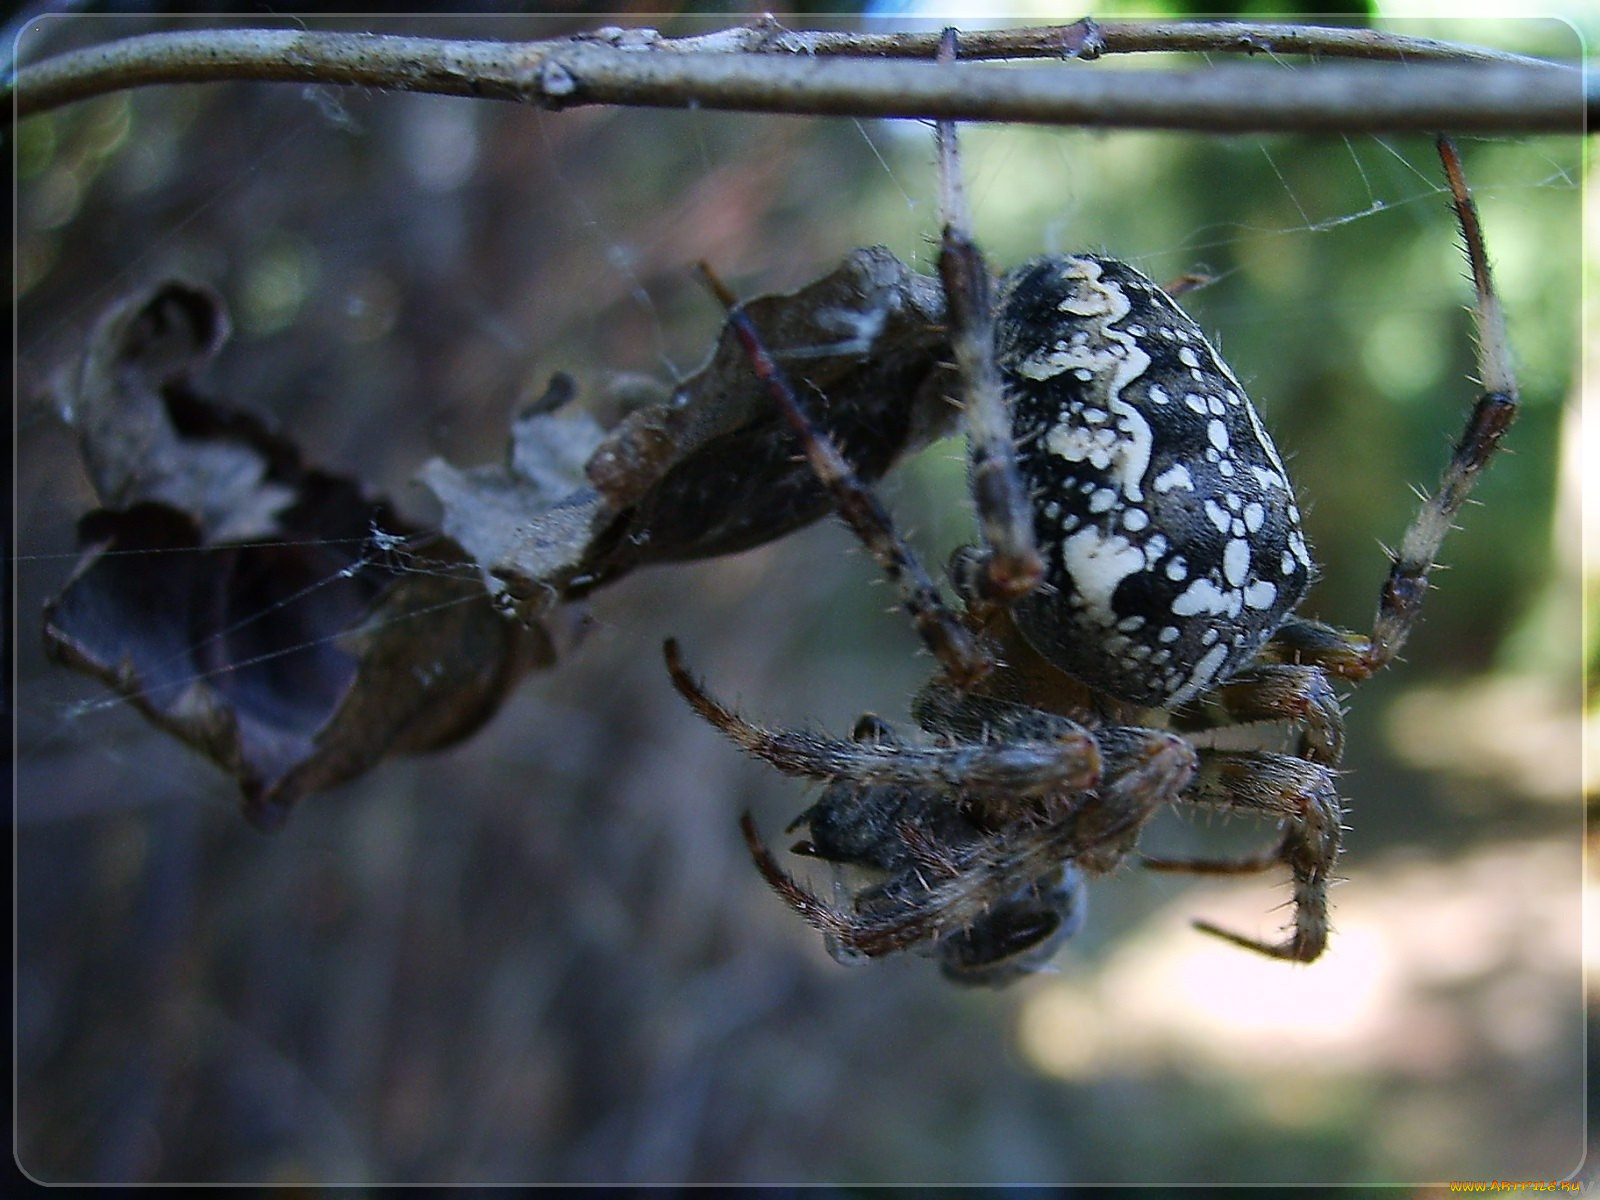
(544, 955)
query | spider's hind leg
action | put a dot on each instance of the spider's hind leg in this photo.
(1007, 566)
(1357, 657)
(1062, 759)
(1288, 693)
(1302, 795)
(942, 630)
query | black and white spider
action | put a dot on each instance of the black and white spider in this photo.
(1140, 563)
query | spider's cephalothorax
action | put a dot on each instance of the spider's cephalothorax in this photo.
(1140, 561)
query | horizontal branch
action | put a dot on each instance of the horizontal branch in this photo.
(1089, 39)
(764, 69)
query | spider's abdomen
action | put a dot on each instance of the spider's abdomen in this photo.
(1168, 528)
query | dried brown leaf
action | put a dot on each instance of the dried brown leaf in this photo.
(273, 617)
(713, 468)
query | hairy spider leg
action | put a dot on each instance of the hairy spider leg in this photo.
(1297, 789)
(1302, 795)
(1357, 657)
(1300, 696)
(1008, 566)
(1067, 762)
(942, 631)
(1144, 770)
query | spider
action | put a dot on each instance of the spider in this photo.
(1140, 562)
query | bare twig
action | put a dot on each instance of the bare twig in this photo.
(761, 68)
(1088, 38)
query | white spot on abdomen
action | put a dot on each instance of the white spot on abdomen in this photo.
(1201, 596)
(1236, 562)
(1175, 476)
(1260, 594)
(1096, 564)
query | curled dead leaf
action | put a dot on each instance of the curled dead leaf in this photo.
(272, 616)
